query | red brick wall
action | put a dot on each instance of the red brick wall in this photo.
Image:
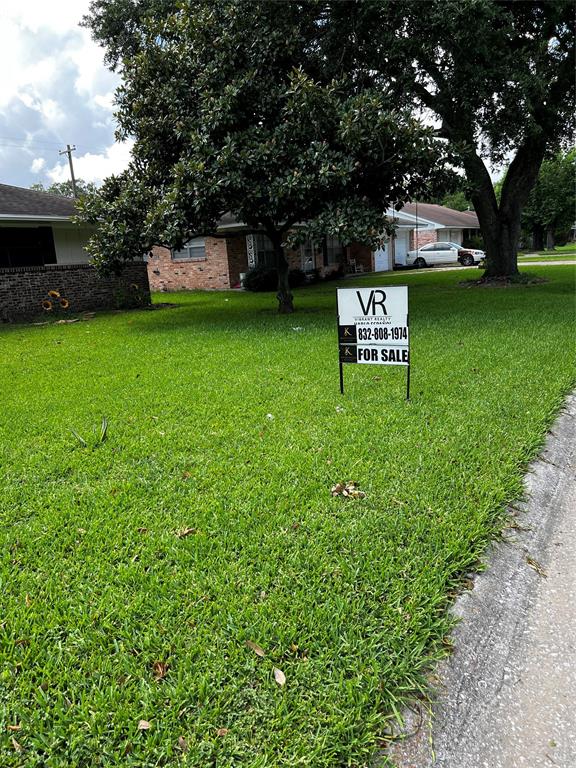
(226, 259)
(237, 258)
(294, 258)
(165, 274)
(424, 237)
(22, 289)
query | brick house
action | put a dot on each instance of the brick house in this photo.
(218, 262)
(41, 249)
(449, 226)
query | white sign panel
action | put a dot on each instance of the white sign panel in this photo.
(373, 325)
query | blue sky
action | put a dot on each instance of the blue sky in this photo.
(54, 90)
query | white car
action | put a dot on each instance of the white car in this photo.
(443, 253)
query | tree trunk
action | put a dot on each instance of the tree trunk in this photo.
(538, 238)
(284, 295)
(550, 240)
(500, 223)
(501, 240)
(500, 231)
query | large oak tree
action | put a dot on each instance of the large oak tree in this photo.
(496, 75)
(233, 109)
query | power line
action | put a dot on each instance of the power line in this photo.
(7, 141)
(18, 140)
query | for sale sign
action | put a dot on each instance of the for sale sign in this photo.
(373, 326)
(375, 322)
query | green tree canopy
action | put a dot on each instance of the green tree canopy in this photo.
(498, 75)
(66, 189)
(232, 112)
(550, 211)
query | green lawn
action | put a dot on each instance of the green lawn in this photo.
(225, 418)
(570, 257)
(561, 252)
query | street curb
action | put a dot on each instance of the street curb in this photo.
(493, 637)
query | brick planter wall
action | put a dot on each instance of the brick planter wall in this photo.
(22, 289)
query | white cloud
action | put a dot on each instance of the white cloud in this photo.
(36, 14)
(106, 101)
(94, 167)
(54, 90)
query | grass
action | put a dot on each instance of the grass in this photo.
(224, 424)
(561, 252)
(569, 257)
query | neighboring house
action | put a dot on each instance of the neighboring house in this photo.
(41, 249)
(449, 226)
(220, 261)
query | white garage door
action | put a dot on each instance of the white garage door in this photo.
(401, 247)
(381, 258)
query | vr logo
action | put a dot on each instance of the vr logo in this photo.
(370, 309)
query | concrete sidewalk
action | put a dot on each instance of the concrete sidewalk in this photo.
(507, 696)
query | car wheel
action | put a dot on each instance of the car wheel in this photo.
(467, 260)
(420, 263)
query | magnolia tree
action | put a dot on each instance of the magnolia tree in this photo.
(233, 110)
(497, 77)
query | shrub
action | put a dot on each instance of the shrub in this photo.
(334, 274)
(131, 297)
(262, 279)
(474, 242)
(297, 278)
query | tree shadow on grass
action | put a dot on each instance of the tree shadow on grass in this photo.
(433, 298)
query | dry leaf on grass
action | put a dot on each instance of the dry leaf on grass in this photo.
(160, 669)
(256, 648)
(142, 530)
(144, 725)
(279, 676)
(17, 747)
(348, 490)
(183, 532)
(14, 727)
(222, 732)
(28, 601)
(182, 743)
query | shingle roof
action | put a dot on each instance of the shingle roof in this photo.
(18, 201)
(445, 216)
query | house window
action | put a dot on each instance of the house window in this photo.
(328, 252)
(193, 250)
(26, 246)
(334, 251)
(264, 251)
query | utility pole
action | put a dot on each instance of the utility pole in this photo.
(68, 151)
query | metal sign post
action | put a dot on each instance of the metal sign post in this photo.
(373, 328)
